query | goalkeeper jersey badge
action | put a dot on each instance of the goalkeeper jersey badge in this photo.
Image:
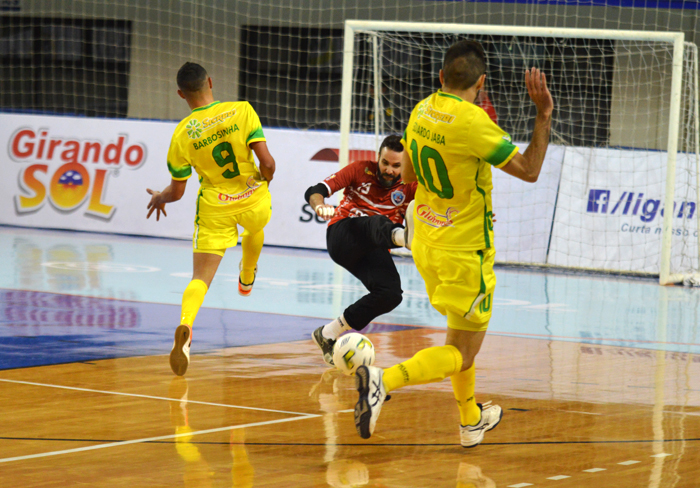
(397, 197)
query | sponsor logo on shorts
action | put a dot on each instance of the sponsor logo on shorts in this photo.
(434, 219)
(397, 197)
(252, 185)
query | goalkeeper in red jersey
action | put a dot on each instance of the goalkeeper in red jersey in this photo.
(362, 229)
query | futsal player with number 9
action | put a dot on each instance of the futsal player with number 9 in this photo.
(218, 140)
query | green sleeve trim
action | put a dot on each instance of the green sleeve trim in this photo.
(508, 159)
(502, 153)
(256, 135)
(180, 174)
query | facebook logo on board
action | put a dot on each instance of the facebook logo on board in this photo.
(598, 201)
(634, 203)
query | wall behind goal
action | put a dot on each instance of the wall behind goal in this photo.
(87, 174)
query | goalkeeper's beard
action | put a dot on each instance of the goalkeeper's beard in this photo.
(387, 182)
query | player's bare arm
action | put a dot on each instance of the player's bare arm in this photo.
(172, 193)
(527, 166)
(267, 162)
(408, 175)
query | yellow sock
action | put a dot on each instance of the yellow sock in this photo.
(251, 245)
(427, 366)
(192, 299)
(463, 386)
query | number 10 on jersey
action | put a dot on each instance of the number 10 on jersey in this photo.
(424, 170)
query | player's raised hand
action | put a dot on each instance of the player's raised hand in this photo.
(326, 212)
(155, 204)
(536, 83)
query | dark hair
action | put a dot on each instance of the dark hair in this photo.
(392, 142)
(191, 77)
(464, 64)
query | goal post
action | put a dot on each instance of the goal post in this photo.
(626, 110)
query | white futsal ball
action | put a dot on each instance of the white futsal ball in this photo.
(351, 351)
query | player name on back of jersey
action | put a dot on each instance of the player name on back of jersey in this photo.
(427, 134)
(215, 136)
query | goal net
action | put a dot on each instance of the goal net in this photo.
(91, 58)
(625, 121)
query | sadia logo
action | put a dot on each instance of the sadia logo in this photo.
(634, 203)
(67, 171)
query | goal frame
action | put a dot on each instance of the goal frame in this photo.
(676, 38)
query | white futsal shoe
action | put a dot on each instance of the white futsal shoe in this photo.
(472, 435)
(372, 395)
(243, 289)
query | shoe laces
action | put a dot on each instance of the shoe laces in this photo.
(377, 392)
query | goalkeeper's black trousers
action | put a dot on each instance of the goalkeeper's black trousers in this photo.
(361, 245)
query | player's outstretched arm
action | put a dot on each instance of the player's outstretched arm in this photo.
(267, 162)
(172, 193)
(408, 175)
(527, 166)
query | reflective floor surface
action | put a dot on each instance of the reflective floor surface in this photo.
(599, 377)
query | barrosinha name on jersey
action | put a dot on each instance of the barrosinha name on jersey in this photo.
(365, 196)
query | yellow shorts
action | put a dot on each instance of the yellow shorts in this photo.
(458, 282)
(216, 233)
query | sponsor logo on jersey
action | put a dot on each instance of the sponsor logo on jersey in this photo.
(369, 172)
(210, 122)
(426, 111)
(67, 171)
(252, 185)
(434, 219)
(397, 197)
(194, 129)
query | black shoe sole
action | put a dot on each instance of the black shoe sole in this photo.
(363, 413)
(178, 360)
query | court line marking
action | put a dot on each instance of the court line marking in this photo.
(152, 397)
(682, 413)
(594, 470)
(559, 477)
(577, 411)
(152, 439)
(627, 463)
(660, 455)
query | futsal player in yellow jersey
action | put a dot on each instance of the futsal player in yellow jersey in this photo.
(218, 140)
(451, 146)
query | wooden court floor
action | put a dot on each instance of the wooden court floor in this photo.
(273, 415)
